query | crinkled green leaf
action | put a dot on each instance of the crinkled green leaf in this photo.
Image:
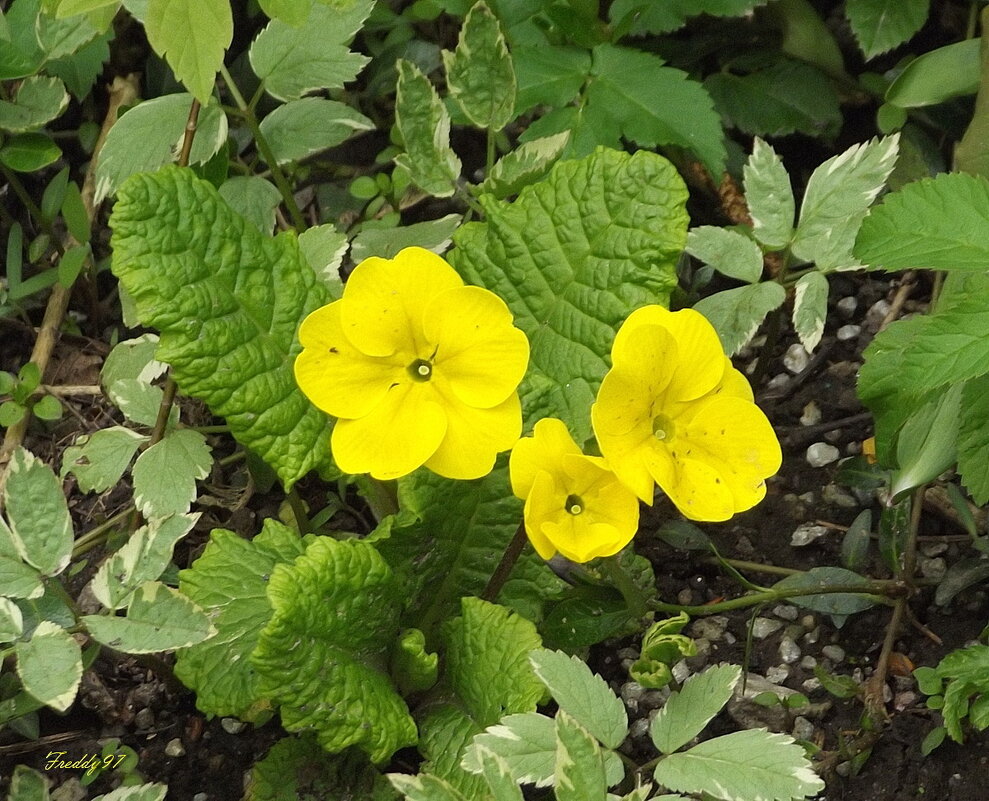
(192, 36)
(28, 785)
(302, 127)
(769, 196)
(253, 198)
(755, 765)
(230, 582)
(143, 558)
(150, 135)
(973, 439)
(688, 711)
(37, 514)
(525, 165)
(736, 314)
(412, 666)
(729, 252)
(572, 257)
(479, 73)
(424, 124)
(810, 308)
(837, 199)
(881, 25)
(579, 773)
(98, 460)
(435, 235)
(11, 619)
(341, 600)
(165, 474)
(39, 99)
(582, 694)
(49, 665)
(18, 580)
(227, 301)
(295, 61)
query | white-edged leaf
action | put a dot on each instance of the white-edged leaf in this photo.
(579, 773)
(769, 196)
(687, 712)
(253, 198)
(38, 516)
(302, 127)
(498, 775)
(11, 620)
(134, 359)
(582, 694)
(527, 743)
(139, 792)
(810, 308)
(727, 251)
(525, 165)
(434, 235)
(736, 314)
(140, 401)
(17, 579)
(424, 787)
(49, 666)
(28, 785)
(38, 99)
(98, 460)
(165, 474)
(324, 248)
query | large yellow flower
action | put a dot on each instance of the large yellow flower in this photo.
(673, 411)
(420, 369)
(573, 503)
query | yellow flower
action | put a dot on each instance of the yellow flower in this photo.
(420, 369)
(674, 412)
(573, 503)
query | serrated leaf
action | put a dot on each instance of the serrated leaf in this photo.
(192, 35)
(18, 579)
(837, 199)
(424, 788)
(292, 12)
(150, 136)
(582, 694)
(687, 712)
(165, 474)
(527, 744)
(158, 619)
(650, 17)
(736, 314)
(572, 256)
(253, 198)
(549, 74)
(61, 37)
(21, 55)
(973, 439)
(295, 61)
(755, 765)
(479, 73)
(424, 124)
(227, 324)
(139, 792)
(769, 196)
(727, 251)
(525, 165)
(140, 402)
(11, 619)
(143, 558)
(324, 248)
(881, 25)
(336, 685)
(38, 99)
(49, 666)
(133, 359)
(37, 514)
(300, 128)
(579, 773)
(28, 785)
(98, 460)
(434, 235)
(810, 308)
(230, 581)
(498, 776)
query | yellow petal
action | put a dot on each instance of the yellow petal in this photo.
(624, 403)
(544, 450)
(334, 375)
(398, 436)
(625, 455)
(384, 301)
(734, 384)
(700, 493)
(474, 437)
(544, 503)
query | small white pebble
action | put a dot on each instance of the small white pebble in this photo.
(174, 748)
(846, 306)
(808, 663)
(847, 332)
(778, 674)
(806, 533)
(803, 729)
(876, 314)
(778, 381)
(796, 358)
(811, 415)
(789, 651)
(811, 685)
(821, 453)
(762, 627)
(834, 652)
(232, 725)
(786, 611)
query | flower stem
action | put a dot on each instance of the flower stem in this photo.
(632, 594)
(504, 569)
(490, 156)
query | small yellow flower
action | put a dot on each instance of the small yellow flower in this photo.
(420, 369)
(673, 411)
(573, 503)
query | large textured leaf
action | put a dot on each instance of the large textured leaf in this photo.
(881, 25)
(40, 526)
(323, 656)
(50, 665)
(691, 709)
(227, 301)
(572, 257)
(230, 582)
(192, 35)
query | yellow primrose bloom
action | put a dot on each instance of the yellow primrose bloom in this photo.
(673, 411)
(573, 503)
(419, 368)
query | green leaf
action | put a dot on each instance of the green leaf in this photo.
(810, 308)
(300, 128)
(769, 195)
(582, 694)
(140, 402)
(28, 785)
(253, 198)
(930, 224)
(337, 684)
(755, 765)
(227, 324)
(525, 741)
(937, 75)
(498, 776)
(926, 445)
(39, 99)
(525, 165)
(158, 619)
(324, 248)
(687, 712)
(785, 98)
(549, 74)
(650, 17)
(21, 55)
(62, 37)
(150, 135)
(479, 73)
(192, 36)
(424, 788)
(11, 620)
(230, 581)
(49, 666)
(293, 62)
(165, 474)
(727, 251)
(572, 256)
(74, 213)
(855, 544)
(143, 558)
(881, 25)
(412, 667)
(837, 199)
(434, 235)
(973, 439)
(833, 603)
(736, 314)
(579, 774)
(98, 460)
(69, 267)
(424, 124)
(140, 792)
(47, 408)
(292, 12)
(133, 359)
(29, 152)
(37, 513)
(70, 8)
(18, 579)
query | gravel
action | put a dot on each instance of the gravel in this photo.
(806, 533)
(821, 453)
(796, 358)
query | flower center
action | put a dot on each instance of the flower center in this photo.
(420, 370)
(663, 428)
(574, 504)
